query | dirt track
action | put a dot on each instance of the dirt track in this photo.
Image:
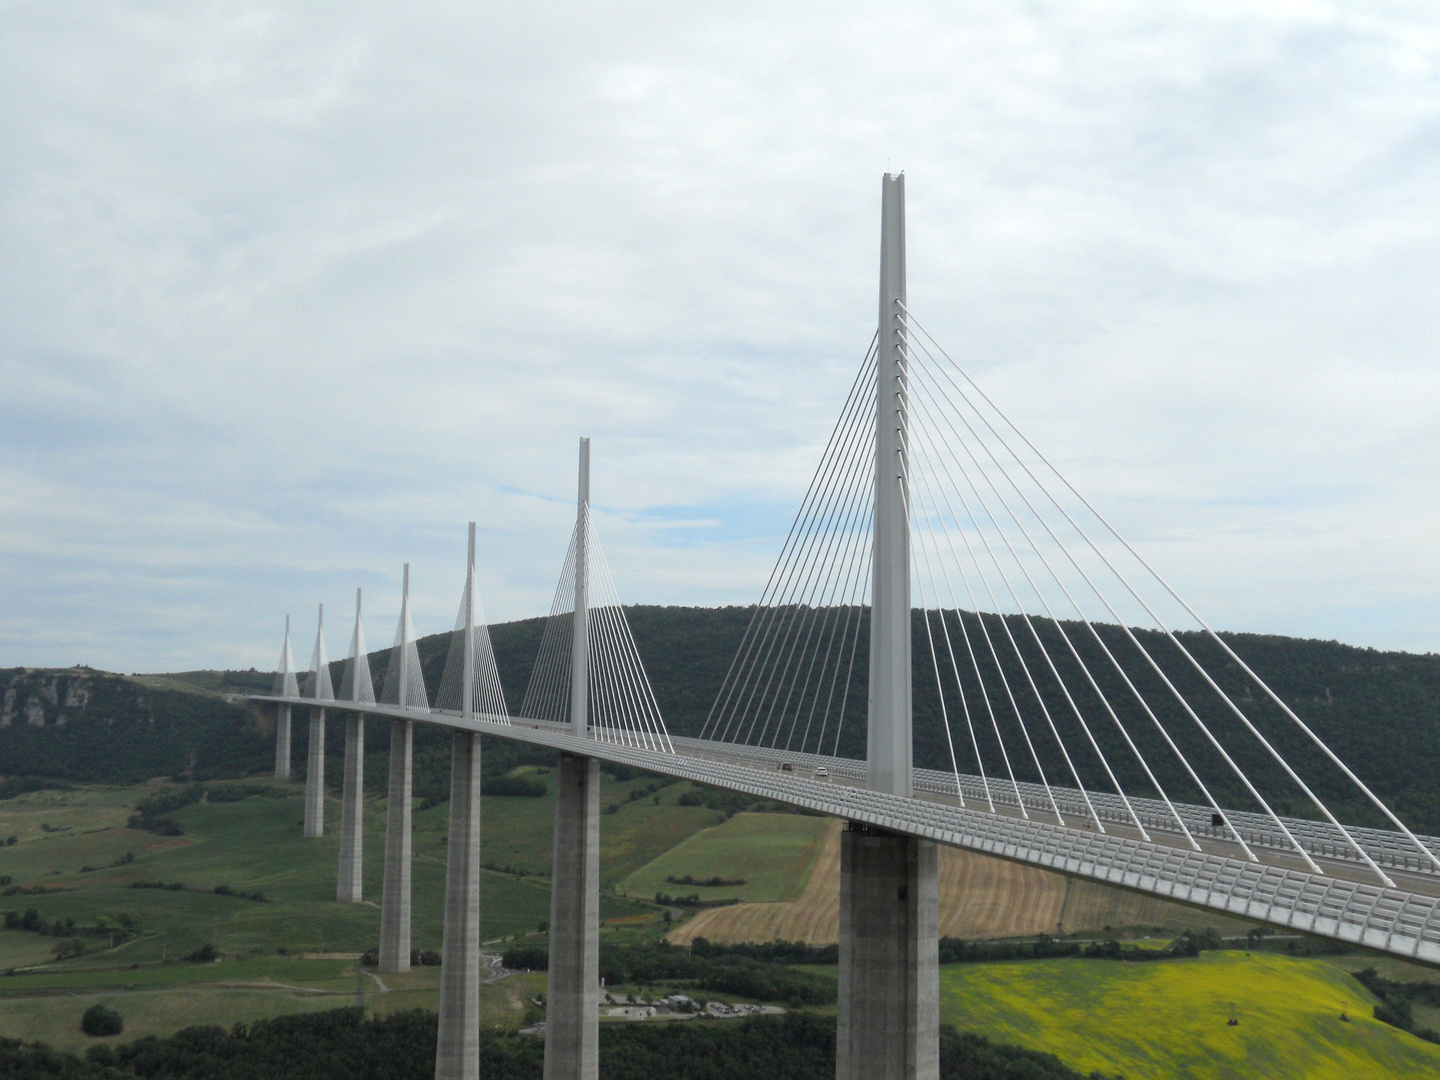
(980, 897)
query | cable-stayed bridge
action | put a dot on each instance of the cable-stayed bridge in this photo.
(944, 591)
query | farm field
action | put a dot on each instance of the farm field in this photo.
(248, 845)
(76, 858)
(244, 991)
(772, 854)
(73, 845)
(517, 832)
(980, 898)
(298, 951)
(1168, 1019)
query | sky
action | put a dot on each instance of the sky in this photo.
(291, 293)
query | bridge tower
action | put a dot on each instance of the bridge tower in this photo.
(319, 687)
(395, 883)
(889, 1008)
(572, 1014)
(285, 686)
(457, 1044)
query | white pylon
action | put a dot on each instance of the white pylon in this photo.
(355, 683)
(404, 680)
(285, 682)
(470, 684)
(318, 685)
(580, 632)
(888, 744)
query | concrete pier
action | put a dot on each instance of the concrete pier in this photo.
(457, 1046)
(395, 900)
(348, 884)
(315, 776)
(572, 1015)
(282, 743)
(888, 1026)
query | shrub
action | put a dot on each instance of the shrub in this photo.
(1397, 1012)
(514, 786)
(99, 1021)
(204, 954)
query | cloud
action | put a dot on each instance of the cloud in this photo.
(289, 294)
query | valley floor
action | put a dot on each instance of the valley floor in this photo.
(297, 949)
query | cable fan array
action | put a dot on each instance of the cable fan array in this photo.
(621, 706)
(355, 682)
(487, 697)
(404, 683)
(1054, 669)
(794, 679)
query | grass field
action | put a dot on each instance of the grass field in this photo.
(813, 917)
(517, 832)
(1168, 1019)
(234, 995)
(252, 844)
(772, 853)
(76, 858)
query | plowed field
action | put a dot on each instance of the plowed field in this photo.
(980, 897)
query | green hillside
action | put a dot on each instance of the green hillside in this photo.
(1170, 1019)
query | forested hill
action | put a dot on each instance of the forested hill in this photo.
(1379, 710)
(82, 724)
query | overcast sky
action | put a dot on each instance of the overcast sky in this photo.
(288, 293)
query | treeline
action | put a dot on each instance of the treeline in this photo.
(716, 882)
(23, 785)
(1044, 947)
(762, 968)
(694, 901)
(721, 973)
(71, 934)
(401, 1046)
(1348, 695)
(1396, 1006)
(1380, 711)
(152, 813)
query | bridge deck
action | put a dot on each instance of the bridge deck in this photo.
(1277, 890)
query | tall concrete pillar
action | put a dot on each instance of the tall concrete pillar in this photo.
(888, 750)
(457, 1046)
(888, 1024)
(348, 885)
(572, 1013)
(282, 743)
(315, 776)
(889, 1013)
(395, 900)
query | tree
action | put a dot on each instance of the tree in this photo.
(99, 1021)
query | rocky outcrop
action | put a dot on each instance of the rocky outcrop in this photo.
(83, 724)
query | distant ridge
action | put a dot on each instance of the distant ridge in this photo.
(77, 723)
